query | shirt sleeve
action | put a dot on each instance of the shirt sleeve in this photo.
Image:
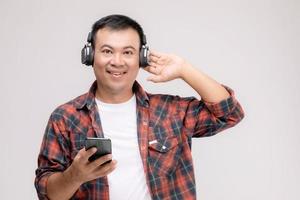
(202, 119)
(52, 154)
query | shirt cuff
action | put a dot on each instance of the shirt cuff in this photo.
(41, 186)
(224, 107)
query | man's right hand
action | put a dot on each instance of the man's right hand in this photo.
(62, 185)
(82, 170)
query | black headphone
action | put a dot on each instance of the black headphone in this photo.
(87, 52)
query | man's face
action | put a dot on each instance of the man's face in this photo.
(116, 61)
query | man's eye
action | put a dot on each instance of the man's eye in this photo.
(128, 52)
(106, 51)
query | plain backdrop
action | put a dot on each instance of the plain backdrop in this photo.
(250, 45)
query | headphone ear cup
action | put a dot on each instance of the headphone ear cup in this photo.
(87, 55)
(144, 56)
(91, 56)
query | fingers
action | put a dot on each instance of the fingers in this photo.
(101, 160)
(155, 54)
(156, 79)
(104, 170)
(153, 59)
(157, 73)
(157, 61)
(157, 58)
(90, 152)
(83, 155)
(86, 170)
(105, 167)
(153, 69)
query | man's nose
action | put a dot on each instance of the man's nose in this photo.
(117, 60)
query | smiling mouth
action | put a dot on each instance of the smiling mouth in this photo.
(116, 74)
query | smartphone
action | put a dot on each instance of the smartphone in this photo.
(103, 146)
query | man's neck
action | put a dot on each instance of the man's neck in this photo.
(113, 98)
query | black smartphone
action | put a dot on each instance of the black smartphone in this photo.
(103, 146)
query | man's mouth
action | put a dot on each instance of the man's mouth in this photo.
(116, 74)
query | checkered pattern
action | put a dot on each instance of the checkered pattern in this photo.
(166, 125)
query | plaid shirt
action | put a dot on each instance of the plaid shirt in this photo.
(165, 124)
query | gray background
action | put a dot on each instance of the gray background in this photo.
(251, 46)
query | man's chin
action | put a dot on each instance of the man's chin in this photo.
(119, 90)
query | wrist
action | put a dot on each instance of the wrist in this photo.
(186, 70)
(71, 177)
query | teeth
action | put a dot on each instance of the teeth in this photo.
(116, 74)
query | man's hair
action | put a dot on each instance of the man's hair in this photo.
(116, 22)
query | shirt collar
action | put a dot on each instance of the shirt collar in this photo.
(141, 95)
(88, 99)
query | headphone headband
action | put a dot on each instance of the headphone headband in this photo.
(89, 38)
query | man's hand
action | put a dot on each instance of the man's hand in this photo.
(164, 67)
(82, 170)
(62, 185)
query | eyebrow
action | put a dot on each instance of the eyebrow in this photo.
(126, 47)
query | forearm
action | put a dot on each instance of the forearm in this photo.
(209, 89)
(61, 186)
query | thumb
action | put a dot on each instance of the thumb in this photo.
(155, 78)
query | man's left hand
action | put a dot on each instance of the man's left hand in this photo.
(164, 67)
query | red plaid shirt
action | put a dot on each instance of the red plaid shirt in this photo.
(170, 121)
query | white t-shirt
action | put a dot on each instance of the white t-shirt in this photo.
(119, 123)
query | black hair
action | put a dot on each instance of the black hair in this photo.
(116, 22)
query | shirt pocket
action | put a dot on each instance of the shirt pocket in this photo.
(163, 155)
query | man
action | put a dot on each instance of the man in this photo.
(151, 134)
